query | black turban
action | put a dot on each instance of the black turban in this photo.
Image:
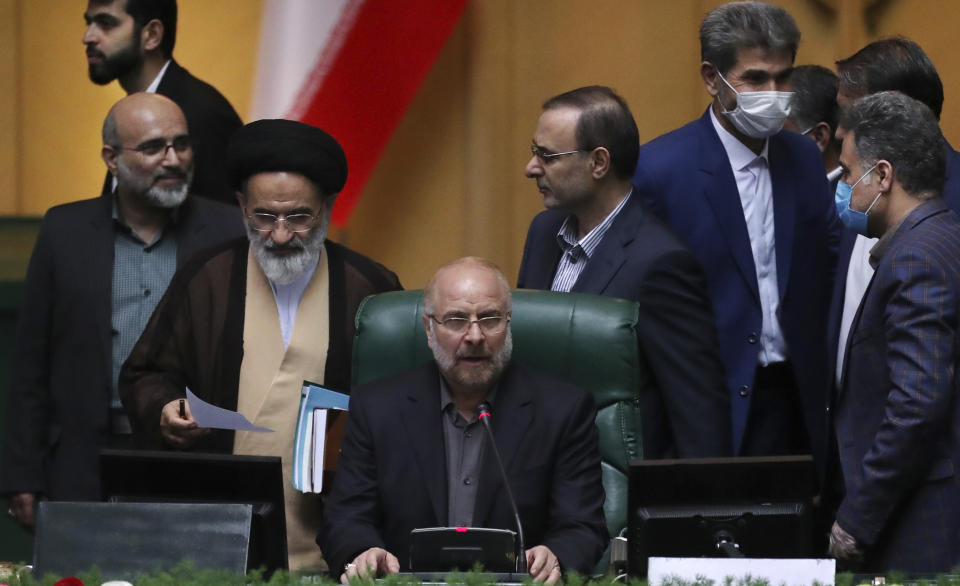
(286, 145)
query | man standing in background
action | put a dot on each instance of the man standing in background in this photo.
(97, 271)
(752, 203)
(596, 237)
(897, 408)
(132, 41)
(813, 113)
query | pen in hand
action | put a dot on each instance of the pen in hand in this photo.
(183, 409)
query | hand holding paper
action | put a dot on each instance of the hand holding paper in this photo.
(213, 417)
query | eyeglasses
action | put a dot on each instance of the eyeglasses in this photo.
(152, 148)
(547, 156)
(493, 324)
(264, 222)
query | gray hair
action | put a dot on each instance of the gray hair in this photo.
(732, 27)
(903, 131)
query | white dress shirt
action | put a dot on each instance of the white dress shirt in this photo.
(752, 173)
(859, 273)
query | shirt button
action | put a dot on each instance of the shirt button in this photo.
(146, 292)
(467, 481)
(744, 391)
(752, 338)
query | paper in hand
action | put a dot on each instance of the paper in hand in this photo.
(207, 415)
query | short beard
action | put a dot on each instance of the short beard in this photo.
(446, 362)
(283, 270)
(117, 65)
(151, 194)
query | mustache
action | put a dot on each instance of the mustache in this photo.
(481, 354)
(91, 52)
(172, 174)
(292, 245)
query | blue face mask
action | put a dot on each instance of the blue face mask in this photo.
(856, 221)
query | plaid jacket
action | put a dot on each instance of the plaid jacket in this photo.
(897, 411)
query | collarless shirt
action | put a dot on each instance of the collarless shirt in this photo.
(752, 174)
(141, 273)
(576, 253)
(464, 441)
(288, 301)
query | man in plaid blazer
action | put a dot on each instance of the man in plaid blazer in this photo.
(897, 415)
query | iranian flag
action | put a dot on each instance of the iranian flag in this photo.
(350, 67)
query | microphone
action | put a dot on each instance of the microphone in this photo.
(483, 414)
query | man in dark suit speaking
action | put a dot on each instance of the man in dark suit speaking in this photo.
(897, 410)
(132, 41)
(414, 454)
(595, 237)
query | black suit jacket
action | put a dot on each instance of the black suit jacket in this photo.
(391, 476)
(59, 395)
(211, 121)
(686, 406)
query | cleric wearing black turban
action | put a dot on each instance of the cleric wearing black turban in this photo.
(244, 324)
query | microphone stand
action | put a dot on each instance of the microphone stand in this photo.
(483, 414)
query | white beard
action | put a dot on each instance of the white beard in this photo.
(283, 270)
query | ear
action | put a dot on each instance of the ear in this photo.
(151, 36)
(711, 81)
(427, 328)
(884, 175)
(241, 199)
(821, 135)
(600, 160)
(109, 156)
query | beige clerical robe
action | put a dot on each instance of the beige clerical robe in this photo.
(269, 393)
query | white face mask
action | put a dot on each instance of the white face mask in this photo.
(758, 114)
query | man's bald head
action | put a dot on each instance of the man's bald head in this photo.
(146, 146)
(458, 268)
(139, 108)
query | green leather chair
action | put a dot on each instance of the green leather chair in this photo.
(587, 340)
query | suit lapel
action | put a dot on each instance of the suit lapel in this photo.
(784, 212)
(420, 416)
(609, 255)
(101, 258)
(544, 266)
(510, 419)
(720, 191)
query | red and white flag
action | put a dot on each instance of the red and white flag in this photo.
(351, 67)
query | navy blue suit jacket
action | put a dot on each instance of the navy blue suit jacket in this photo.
(685, 178)
(898, 410)
(392, 472)
(685, 406)
(951, 195)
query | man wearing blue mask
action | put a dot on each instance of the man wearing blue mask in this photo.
(895, 64)
(896, 408)
(753, 204)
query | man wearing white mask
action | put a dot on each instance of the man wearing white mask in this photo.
(754, 206)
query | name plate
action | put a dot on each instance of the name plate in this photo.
(791, 572)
